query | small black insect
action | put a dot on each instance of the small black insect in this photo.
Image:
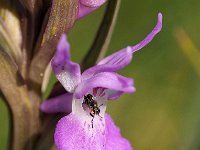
(92, 105)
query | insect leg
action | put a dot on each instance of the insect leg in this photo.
(92, 122)
(100, 116)
(91, 114)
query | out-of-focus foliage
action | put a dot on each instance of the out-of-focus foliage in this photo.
(4, 125)
(164, 113)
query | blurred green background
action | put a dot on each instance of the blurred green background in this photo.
(164, 113)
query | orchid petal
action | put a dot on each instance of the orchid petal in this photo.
(67, 72)
(72, 133)
(113, 58)
(123, 57)
(113, 136)
(112, 94)
(118, 61)
(62, 103)
(92, 3)
(84, 10)
(150, 36)
(88, 6)
(108, 80)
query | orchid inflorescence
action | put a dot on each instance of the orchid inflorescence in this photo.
(103, 83)
(85, 123)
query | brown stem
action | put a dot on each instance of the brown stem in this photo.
(14, 90)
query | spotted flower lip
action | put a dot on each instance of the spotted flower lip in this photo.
(88, 126)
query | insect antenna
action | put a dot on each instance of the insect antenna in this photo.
(101, 105)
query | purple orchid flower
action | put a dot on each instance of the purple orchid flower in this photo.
(88, 126)
(87, 6)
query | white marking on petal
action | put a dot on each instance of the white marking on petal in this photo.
(98, 125)
(66, 81)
